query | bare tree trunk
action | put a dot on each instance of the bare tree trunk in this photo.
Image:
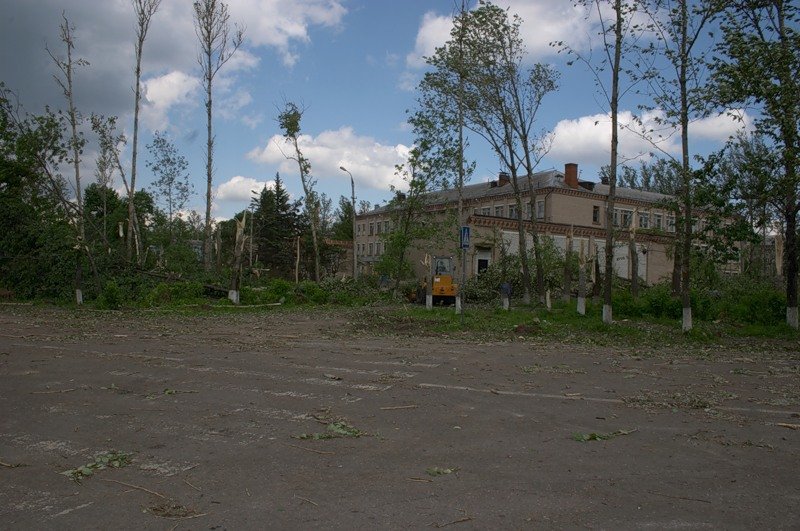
(567, 269)
(612, 177)
(634, 261)
(144, 10)
(212, 27)
(76, 142)
(238, 252)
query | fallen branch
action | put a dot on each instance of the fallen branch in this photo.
(9, 465)
(790, 426)
(54, 392)
(306, 500)
(421, 480)
(180, 517)
(308, 449)
(679, 497)
(460, 520)
(412, 406)
(195, 488)
(136, 487)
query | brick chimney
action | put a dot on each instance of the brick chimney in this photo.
(503, 179)
(571, 174)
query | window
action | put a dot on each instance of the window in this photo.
(528, 211)
(379, 227)
(644, 220)
(658, 221)
(498, 211)
(623, 216)
(539, 209)
(670, 223)
(386, 226)
(627, 218)
(512, 211)
(371, 230)
(378, 249)
(485, 211)
(371, 248)
(596, 214)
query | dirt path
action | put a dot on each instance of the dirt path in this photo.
(226, 419)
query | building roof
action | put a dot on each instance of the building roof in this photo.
(547, 179)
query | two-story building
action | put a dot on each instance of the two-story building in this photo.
(565, 207)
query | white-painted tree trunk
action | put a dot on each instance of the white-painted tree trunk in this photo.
(687, 319)
(791, 317)
(607, 315)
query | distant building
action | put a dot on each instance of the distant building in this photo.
(564, 205)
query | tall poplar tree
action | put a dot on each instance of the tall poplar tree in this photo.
(218, 43)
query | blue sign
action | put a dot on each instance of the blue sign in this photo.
(465, 237)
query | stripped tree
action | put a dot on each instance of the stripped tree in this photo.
(144, 11)
(217, 46)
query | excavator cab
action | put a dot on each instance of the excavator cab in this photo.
(442, 287)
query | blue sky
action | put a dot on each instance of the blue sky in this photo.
(352, 64)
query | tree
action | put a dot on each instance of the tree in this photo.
(480, 68)
(217, 46)
(144, 11)
(172, 184)
(76, 140)
(37, 242)
(289, 121)
(342, 227)
(409, 218)
(678, 90)
(749, 169)
(277, 224)
(759, 62)
(616, 35)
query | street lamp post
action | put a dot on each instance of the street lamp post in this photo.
(353, 197)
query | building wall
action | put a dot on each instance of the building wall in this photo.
(558, 211)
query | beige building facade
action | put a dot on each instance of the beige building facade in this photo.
(566, 208)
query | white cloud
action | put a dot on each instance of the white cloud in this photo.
(544, 21)
(371, 163)
(721, 127)
(278, 23)
(240, 189)
(588, 139)
(433, 32)
(163, 93)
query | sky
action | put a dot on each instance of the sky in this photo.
(352, 65)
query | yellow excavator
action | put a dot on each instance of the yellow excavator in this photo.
(442, 287)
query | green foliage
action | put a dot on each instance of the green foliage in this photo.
(112, 459)
(334, 430)
(110, 297)
(277, 223)
(186, 292)
(308, 291)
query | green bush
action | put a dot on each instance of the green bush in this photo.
(659, 302)
(763, 307)
(625, 305)
(110, 297)
(349, 292)
(309, 291)
(175, 293)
